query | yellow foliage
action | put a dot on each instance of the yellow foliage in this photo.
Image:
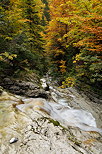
(81, 74)
(6, 55)
(63, 62)
(8, 38)
(1, 58)
(77, 57)
(69, 82)
(10, 57)
(24, 20)
(59, 52)
(62, 66)
(74, 61)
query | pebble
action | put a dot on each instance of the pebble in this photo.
(13, 140)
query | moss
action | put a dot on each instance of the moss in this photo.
(55, 123)
(71, 137)
(74, 140)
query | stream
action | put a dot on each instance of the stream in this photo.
(66, 106)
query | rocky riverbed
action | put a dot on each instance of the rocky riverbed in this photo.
(41, 125)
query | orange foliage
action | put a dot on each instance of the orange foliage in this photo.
(76, 23)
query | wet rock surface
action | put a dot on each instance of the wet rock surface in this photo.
(39, 133)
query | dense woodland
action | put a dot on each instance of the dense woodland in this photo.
(62, 37)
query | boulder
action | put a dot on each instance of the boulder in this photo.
(24, 88)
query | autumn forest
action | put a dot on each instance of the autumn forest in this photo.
(59, 37)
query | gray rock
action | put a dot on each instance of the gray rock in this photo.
(38, 133)
(32, 87)
(20, 87)
(8, 81)
(37, 93)
(15, 88)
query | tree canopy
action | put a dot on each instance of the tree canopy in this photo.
(21, 35)
(64, 36)
(75, 39)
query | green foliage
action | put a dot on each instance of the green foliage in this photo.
(21, 41)
(46, 14)
(89, 65)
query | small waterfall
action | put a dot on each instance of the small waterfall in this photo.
(62, 107)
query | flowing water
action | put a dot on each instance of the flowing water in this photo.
(18, 116)
(67, 108)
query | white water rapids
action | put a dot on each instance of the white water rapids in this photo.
(60, 110)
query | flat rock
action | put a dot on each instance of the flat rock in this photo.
(38, 133)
